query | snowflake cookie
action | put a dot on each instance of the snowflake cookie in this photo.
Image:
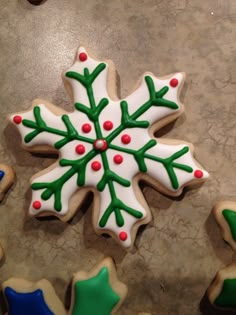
(6, 180)
(106, 145)
(96, 292)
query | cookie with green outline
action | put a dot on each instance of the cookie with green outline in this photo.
(96, 292)
(220, 298)
(107, 145)
(225, 215)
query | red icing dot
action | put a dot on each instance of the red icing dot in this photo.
(108, 125)
(37, 205)
(80, 149)
(123, 236)
(174, 82)
(126, 139)
(96, 165)
(83, 56)
(17, 119)
(86, 128)
(118, 159)
(198, 174)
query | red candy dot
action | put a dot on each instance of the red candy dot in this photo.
(108, 125)
(86, 128)
(83, 56)
(123, 236)
(37, 205)
(126, 139)
(174, 82)
(198, 174)
(96, 165)
(80, 149)
(17, 119)
(118, 159)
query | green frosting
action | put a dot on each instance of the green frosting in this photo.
(230, 217)
(95, 296)
(227, 297)
(39, 126)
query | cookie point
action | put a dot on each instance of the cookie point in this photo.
(198, 174)
(37, 205)
(96, 165)
(123, 236)
(174, 82)
(17, 119)
(82, 56)
(126, 139)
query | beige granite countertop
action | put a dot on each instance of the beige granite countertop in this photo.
(179, 252)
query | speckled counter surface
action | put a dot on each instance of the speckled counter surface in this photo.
(179, 252)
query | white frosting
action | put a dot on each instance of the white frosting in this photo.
(129, 167)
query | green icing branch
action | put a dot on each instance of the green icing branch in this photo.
(127, 121)
(116, 204)
(40, 126)
(55, 187)
(87, 80)
(169, 163)
(155, 99)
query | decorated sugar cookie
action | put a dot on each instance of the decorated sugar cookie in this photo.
(95, 292)
(106, 145)
(220, 296)
(6, 180)
(225, 214)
